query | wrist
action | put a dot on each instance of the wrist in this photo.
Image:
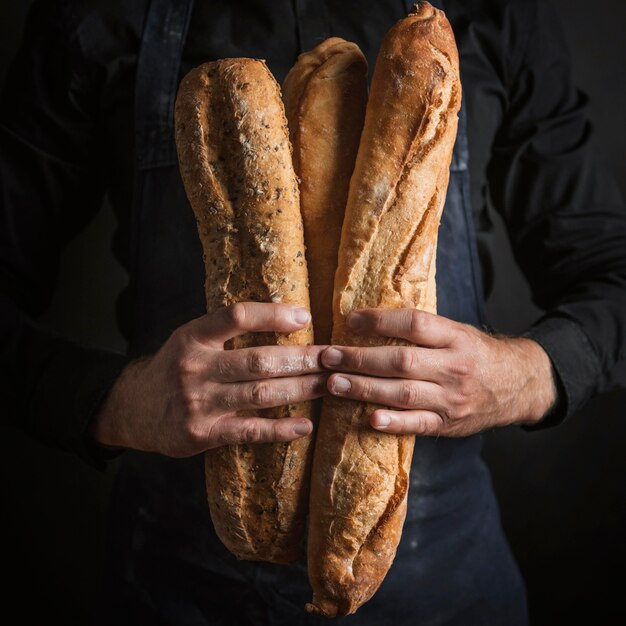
(538, 391)
(110, 426)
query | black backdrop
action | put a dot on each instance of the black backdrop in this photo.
(562, 491)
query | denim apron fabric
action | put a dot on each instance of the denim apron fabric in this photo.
(164, 563)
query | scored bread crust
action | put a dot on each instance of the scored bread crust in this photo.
(325, 94)
(235, 162)
(360, 476)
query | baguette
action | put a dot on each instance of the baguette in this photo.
(325, 94)
(236, 165)
(360, 476)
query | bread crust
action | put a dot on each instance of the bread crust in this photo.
(360, 476)
(325, 94)
(235, 161)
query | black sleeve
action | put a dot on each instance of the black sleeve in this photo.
(49, 190)
(564, 215)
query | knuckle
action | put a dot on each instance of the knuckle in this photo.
(212, 435)
(462, 413)
(468, 383)
(225, 438)
(185, 365)
(228, 400)
(459, 408)
(219, 434)
(361, 389)
(404, 360)
(418, 424)
(463, 368)
(236, 315)
(190, 405)
(409, 395)
(192, 432)
(358, 358)
(278, 314)
(465, 389)
(261, 394)
(464, 333)
(259, 363)
(418, 323)
(223, 366)
(377, 321)
(250, 432)
(447, 414)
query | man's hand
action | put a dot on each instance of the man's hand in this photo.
(454, 382)
(184, 399)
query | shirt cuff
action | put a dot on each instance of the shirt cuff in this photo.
(71, 394)
(94, 396)
(575, 363)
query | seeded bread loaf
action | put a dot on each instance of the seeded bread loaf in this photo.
(236, 165)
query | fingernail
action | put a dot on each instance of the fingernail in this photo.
(341, 384)
(382, 420)
(300, 316)
(355, 321)
(302, 428)
(332, 357)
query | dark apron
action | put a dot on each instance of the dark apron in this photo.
(164, 562)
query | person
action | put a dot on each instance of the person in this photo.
(88, 111)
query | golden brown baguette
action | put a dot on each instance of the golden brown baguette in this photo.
(235, 161)
(359, 480)
(325, 94)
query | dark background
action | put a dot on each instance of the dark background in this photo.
(562, 491)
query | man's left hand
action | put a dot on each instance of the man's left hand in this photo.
(455, 381)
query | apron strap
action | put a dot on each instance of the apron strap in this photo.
(312, 22)
(158, 68)
(460, 153)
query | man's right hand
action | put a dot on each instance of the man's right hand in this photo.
(183, 399)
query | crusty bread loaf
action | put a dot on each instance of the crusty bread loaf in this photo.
(360, 478)
(235, 161)
(325, 94)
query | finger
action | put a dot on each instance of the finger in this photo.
(265, 362)
(418, 327)
(271, 392)
(246, 317)
(237, 430)
(407, 422)
(400, 393)
(388, 361)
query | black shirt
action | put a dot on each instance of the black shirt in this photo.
(66, 128)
